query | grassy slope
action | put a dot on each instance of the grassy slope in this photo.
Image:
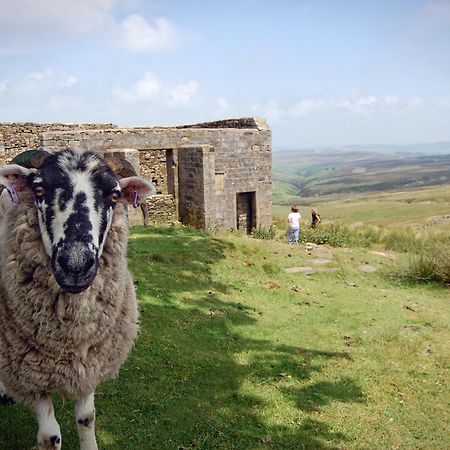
(427, 207)
(236, 353)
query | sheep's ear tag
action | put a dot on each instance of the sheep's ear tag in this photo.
(13, 194)
(14, 178)
(135, 197)
(135, 189)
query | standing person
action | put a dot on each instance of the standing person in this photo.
(315, 218)
(294, 219)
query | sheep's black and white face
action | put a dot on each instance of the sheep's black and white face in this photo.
(75, 194)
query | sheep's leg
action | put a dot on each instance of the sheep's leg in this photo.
(85, 417)
(5, 399)
(49, 434)
(144, 209)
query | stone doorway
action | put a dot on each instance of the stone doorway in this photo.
(246, 211)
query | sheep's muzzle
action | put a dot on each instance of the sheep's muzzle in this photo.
(74, 265)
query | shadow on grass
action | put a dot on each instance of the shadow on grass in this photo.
(183, 386)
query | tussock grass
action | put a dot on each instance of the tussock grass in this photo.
(401, 240)
(262, 232)
(430, 262)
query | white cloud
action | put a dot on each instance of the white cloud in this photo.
(360, 104)
(435, 12)
(414, 103)
(390, 99)
(67, 16)
(2, 86)
(443, 102)
(53, 79)
(305, 106)
(366, 101)
(70, 81)
(270, 111)
(142, 90)
(140, 36)
(40, 75)
(222, 104)
(184, 93)
(60, 21)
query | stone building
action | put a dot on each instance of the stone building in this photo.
(214, 175)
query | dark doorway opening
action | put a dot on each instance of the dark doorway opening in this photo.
(246, 211)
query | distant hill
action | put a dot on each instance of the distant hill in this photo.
(312, 172)
(434, 148)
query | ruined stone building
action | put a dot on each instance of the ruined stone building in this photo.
(214, 175)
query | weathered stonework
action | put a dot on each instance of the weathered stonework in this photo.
(217, 174)
(18, 137)
(154, 167)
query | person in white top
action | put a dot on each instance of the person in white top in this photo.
(294, 219)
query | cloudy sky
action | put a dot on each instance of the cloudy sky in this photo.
(321, 72)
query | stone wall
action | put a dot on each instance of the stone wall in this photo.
(154, 167)
(191, 198)
(18, 137)
(161, 209)
(243, 122)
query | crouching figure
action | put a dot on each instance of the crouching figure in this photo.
(68, 313)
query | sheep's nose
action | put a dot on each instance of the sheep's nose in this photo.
(76, 258)
(74, 265)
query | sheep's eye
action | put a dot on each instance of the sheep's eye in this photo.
(39, 191)
(115, 196)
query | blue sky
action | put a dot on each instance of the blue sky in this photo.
(323, 73)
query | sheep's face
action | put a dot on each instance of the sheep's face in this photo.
(75, 194)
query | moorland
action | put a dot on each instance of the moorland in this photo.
(316, 172)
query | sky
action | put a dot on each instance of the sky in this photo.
(322, 73)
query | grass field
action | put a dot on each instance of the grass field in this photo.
(418, 208)
(235, 352)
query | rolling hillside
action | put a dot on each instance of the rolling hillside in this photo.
(309, 173)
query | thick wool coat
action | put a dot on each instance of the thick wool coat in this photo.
(52, 341)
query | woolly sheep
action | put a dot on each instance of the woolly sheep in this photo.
(68, 314)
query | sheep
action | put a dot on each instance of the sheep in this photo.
(68, 312)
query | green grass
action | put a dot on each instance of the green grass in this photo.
(236, 353)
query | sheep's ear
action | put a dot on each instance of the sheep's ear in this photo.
(13, 174)
(136, 189)
(15, 179)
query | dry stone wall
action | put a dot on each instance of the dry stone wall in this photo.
(18, 137)
(161, 209)
(154, 167)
